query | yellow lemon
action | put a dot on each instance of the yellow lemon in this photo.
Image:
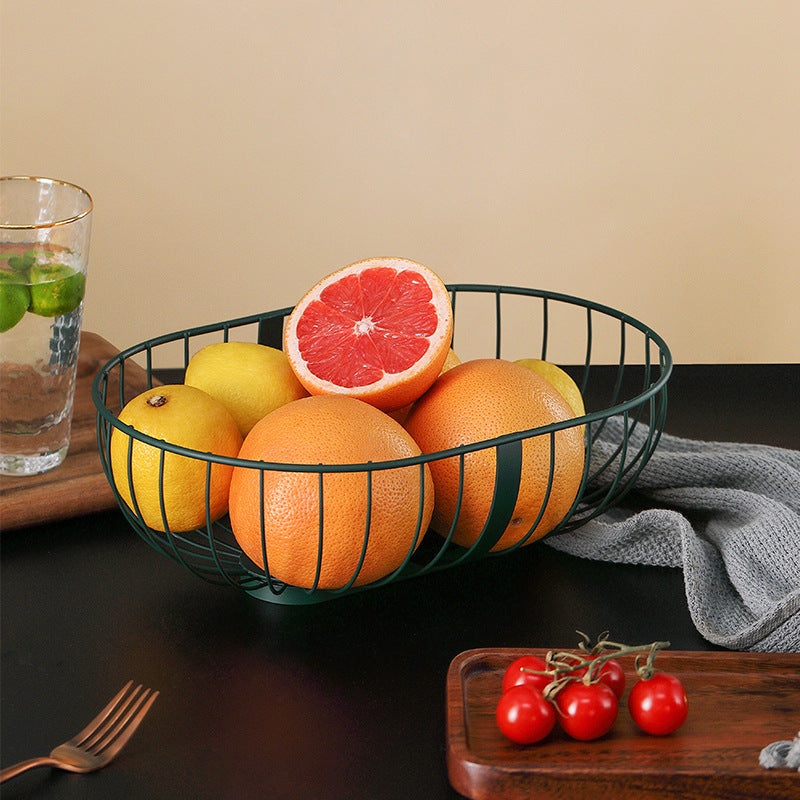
(183, 416)
(451, 360)
(560, 379)
(249, 379)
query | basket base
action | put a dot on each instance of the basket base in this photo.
(294, 596)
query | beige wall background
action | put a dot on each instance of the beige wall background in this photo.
(642, 154)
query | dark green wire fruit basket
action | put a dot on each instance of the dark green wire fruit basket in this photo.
(620, 365)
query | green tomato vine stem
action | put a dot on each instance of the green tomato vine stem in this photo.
(562, 665)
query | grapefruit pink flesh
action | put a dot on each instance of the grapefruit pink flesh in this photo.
(378, 330)
(366, 325)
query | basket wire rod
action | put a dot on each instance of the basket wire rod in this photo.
(618, 383)
(101, 426)
(320, 529)
(101, 442)
(631, 468)
(640, 409)
(582, 510)
(612, 492)
(262, 529)
(131, 490)
(545, 327)
(597, 429)
(444, 548)
(569, 523)
(508, 470)
(621, 470)
(121, 388)
(148, 369)
(587, 359)
(178, 553)
(135, 514)
(619, 458)
(131, 512)
(498, 325)
(657, 419)
(547, 492)
(199, 550)
(195, 557)
(161, 500)
(212, 544)
(418, 533)
(453, 294)
(186, 356)
(235, 461)
(648, 371)
(366, 535)
(578, 499)
(599, 500)
(170, 537)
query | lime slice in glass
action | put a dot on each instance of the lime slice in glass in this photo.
(56, 289)
(15, 297)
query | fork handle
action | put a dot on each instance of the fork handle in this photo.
(24, 766)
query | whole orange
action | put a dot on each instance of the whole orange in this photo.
(183, 416)
(329, 429)
(480, 400)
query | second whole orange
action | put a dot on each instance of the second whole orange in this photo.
(480, 400)
(319, 545)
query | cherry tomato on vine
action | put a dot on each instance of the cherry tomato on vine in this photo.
(515, 674)
(524, 716)
(586, 711)
(612, 674)
(658, 705)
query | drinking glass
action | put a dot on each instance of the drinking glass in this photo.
(45, 226)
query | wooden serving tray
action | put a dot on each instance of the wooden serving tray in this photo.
(738, 704)
(78, 485)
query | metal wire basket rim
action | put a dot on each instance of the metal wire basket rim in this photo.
(484, 288)
(665, 363)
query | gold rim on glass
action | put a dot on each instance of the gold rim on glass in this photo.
(54, 223)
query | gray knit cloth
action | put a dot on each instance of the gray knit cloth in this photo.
(728, 515)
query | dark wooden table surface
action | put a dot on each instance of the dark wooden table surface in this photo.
(345, 699)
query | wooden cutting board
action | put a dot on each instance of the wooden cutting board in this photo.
(79, 485)
(738, 704)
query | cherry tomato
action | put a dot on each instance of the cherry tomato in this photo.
(524, 716)
(658, 705)
(612, 674)
(515, 673)
(586, 711)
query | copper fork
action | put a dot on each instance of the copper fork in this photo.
(101, 740)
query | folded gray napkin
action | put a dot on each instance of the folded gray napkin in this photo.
(727, 514)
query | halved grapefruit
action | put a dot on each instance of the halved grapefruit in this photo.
(379, 331)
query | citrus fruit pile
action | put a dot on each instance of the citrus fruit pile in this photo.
(47, 289)
(367, 377)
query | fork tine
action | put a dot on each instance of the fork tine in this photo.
(126, 730)
(101, 717)
(113, 720)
